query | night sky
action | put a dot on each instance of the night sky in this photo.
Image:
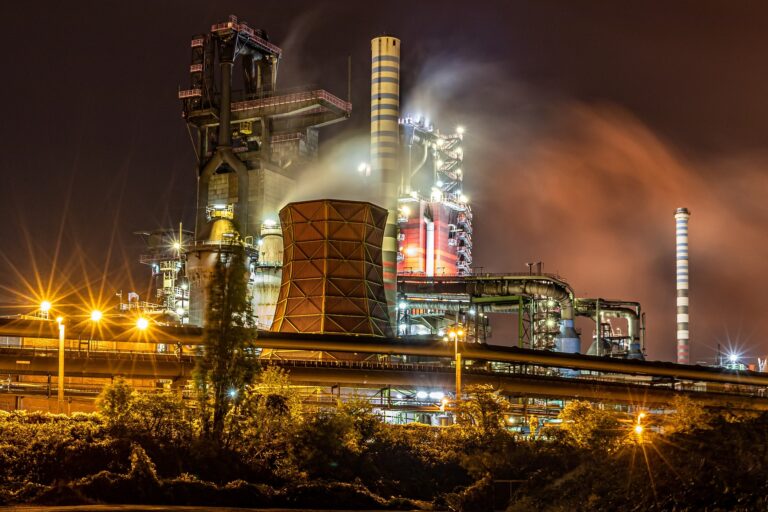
(587, 123)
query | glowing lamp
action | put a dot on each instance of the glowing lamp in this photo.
(96, 315)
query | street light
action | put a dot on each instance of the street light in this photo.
(639, 428)
(142, 323)
(96, 315)
(454, 333)
(45, 307)
(60, 380)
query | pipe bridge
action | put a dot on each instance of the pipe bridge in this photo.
(520, 372)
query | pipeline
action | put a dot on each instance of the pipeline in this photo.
(630, 311)
(493, 286)
(503, 287)
(421, 163)
(223, 154)
(362, 344)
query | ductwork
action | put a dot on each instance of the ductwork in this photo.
(223, 155)
(630, 311)
(501, 286)
(505, 286)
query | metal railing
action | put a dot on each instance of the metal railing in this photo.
(286, 99)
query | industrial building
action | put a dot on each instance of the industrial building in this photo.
(351, 295)
(258, 139)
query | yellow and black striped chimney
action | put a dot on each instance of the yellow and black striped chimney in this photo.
(385, 141)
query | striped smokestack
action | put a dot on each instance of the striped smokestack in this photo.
(681, 235)
(385, 139)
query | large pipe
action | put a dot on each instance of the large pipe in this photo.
(371, 345)
(225, 108)
(223, 154)
(681, 235)
(497, 286)
(504, 286)
(430, 252)
(630, 311)
(376, 376)
(385, 141)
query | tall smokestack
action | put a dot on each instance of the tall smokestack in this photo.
(681, 234)
(385, 139)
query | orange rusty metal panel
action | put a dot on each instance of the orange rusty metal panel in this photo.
(332, 271)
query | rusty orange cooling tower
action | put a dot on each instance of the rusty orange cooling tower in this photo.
(332, 271)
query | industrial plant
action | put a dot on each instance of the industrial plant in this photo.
(354, 297)
(258, 140)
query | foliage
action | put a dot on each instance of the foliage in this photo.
(114, 403)
(143, 450)
(431, 455)
(228, 361)
(687, 416)
(587, 426)
(159, 415)
(484, 409)
(325, 446)
(269, 411)
(334, 443)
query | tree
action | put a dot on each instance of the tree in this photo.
(483, 409)
(268, 412)
(114, 404)
(325, 446)
(161, 416)
(586, 426)
(688, 416)
(157, 415)
(228, 360)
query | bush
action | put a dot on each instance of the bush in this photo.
(330, 495)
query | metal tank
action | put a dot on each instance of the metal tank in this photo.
(201, 260)
(267, 273)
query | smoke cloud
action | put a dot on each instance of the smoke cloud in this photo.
(337, 174)
(590, 190)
